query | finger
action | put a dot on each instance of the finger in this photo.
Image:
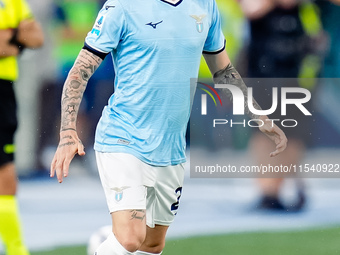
(279, 148)
(59, 171)
(81, 149)
(282, 144)
(66, 166)
(54, 161)
(274, 153)
(280, 138)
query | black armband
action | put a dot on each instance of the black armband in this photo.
(14, 41)
(102, 55)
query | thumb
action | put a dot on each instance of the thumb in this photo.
(81, 149)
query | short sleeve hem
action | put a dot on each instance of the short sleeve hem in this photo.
(95, 51)
(215, 52)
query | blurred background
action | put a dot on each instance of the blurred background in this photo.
(265, 39)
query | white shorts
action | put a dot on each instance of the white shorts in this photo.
(129, 184)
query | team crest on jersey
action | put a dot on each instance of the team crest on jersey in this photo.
(2, 4)
(119, 192)
(199, 22)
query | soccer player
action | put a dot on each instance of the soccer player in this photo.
(156, 47)
(18, 30)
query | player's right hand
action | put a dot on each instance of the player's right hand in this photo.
(69, 146)
(274, 133)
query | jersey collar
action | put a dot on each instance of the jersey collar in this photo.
(173, 4)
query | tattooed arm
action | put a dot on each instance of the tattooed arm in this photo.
(74, 87)
(229, 75)
(225, 73)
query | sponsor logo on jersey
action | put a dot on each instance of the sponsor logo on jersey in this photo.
(109, 6)
(119, 192)
(199, 21)
(154, 25)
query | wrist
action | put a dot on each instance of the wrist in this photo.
(70, 133)
(67, 129)
(263, 118)
(14, 40)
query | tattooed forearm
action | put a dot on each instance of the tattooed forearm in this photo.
(229, 75)
(75, 84)
(70, 109)
(74, 87)
(84, 75)
(138, 214)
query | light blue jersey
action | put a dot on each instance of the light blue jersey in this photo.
(156, 48)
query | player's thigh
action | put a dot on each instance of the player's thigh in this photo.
(121, 176)
(122, 180)
(129, 227)
(164, 196)
(155, 239)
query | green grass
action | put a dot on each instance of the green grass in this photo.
(309, 242)
(74, 250)
(312, 242)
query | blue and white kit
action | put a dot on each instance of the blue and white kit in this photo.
(156, 48)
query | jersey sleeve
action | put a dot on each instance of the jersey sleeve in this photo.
(215, 42)
(108, 29)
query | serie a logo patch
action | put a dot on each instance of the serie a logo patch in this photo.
(98, 25)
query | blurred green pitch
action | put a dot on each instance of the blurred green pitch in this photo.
(323, 241)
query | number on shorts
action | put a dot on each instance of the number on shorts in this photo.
(174, 206)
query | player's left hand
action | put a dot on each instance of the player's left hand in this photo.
(275, 134)
(69, 146)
